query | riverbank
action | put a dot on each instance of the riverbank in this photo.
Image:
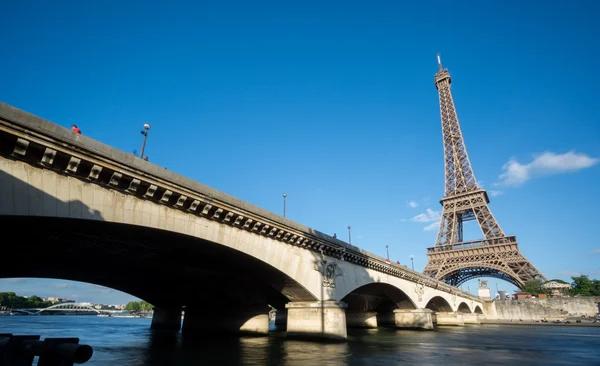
(508, 322)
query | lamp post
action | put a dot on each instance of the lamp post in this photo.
(145, 133)
(284, 196)
(349, 237)
(388, 252)
(412, 262)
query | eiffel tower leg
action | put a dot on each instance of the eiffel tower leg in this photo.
(487, 222)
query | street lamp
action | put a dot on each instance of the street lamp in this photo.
(145, 133)
(412, 261)
(284, 196)
(349, 237)
(388, 253)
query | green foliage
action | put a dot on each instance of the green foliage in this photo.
(146, 306)
(138, 306)
(584, 286)
(12, 301)
(532, 286)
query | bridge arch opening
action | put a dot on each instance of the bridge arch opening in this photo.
(478, 310)
(373, 305)
(438, 304)
(167, 269)
(464, 308)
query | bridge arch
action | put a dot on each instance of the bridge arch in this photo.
(478, 310)
(68, 308)
(68, 213)
(463, 272)
(439, 304)
(135, 260)
(378, 295)
(372, 305)
(464, 308)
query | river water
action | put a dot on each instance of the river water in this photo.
(129, 341)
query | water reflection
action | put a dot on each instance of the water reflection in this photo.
(131, 342)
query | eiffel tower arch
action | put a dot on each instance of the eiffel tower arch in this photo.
(452, 259)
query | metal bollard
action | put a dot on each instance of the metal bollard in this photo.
(11, 350)
(20, 351)
(64, 352)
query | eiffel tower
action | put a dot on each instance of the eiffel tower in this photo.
(453, 260)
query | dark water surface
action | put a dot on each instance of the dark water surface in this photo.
(129, 341)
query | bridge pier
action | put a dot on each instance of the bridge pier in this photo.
(253, 320)
(413, 319)
(317, 319)
(166, 318)
(449, 318)
(471, 318)
(281, 319)
(362, 319)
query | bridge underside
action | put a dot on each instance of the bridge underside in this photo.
(164, 268)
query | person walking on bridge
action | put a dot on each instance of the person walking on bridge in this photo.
(75, 129)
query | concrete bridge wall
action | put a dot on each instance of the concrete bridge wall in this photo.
(536, 309)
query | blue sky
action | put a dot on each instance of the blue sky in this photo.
(334, 104)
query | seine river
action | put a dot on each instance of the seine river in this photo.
(126, 341)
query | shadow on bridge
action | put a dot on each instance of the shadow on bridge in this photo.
(167, 269)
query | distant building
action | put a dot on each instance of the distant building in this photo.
(522, 295)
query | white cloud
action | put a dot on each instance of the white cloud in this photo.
(494, 193)
(413, 204)
(428, 216)
(597, 251)
(14, 280)
(431, 226)
(62, 285)
(547, 163)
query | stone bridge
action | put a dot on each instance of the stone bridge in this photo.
(74, 208)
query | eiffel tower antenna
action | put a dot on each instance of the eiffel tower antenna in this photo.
(451, 259)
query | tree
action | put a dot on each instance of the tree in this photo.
(12, 301)
(532, 286)
(146, 306)
(132, 306)
(582, 285)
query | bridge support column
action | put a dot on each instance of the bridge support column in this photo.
(471, 318)
(318, 319)
(208, 322)
(413, 318)
(166, 318)
(444, 318)
(363, 319)
(281, 319)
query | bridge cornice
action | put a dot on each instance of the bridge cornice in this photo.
(50, 146)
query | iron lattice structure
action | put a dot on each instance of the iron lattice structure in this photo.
(453, 260)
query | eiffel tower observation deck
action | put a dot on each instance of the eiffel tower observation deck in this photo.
(452, 259)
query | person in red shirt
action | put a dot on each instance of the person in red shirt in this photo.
(75, 129)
